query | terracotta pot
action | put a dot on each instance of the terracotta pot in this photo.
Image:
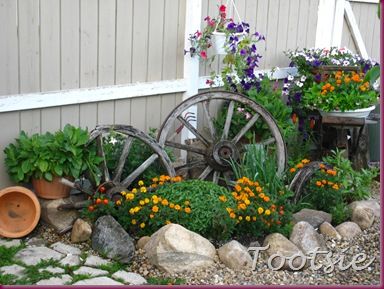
(50, 190)
(19, 212)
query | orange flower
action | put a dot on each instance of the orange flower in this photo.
(259, 189)
(322, 166)
(299, 165)
(232, 215)
(237, 188)
(177, 207)
(155, 209)
(187, 210)
(335, 187)
(266, 199)
(292, 170)
(294, 118)
(324, 182)
(318, 183)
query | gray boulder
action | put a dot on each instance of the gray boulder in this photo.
(235, 256)
(364, 217)
(327, 229)
(305, 237)
(109, 238)
(348, 230)
(313, 217)
(176, 249)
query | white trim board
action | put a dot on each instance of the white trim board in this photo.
(86, 95)
(365, 1)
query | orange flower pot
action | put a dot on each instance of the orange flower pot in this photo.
(50, 190)
(19, 212)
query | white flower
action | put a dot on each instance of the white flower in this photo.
(303, 78)
(346, 62)
(299, 84)
(286, 85)
(113, 141)
(290, 77)
(240, 109)
(247, 115)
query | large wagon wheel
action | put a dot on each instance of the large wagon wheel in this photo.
(114, 179)
(218, 145)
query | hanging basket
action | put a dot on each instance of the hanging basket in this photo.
(218, 40)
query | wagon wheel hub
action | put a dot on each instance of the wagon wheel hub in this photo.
(222, 153)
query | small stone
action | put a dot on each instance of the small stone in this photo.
(15, 270)
(235, 256)
(305, 237)
(65, 249)
(313, 217)
(328, 230)
(71, 260)
(10, 243)
(36, 242)
(348, 230)
(81, 231)
(129, 277)
(93, 272)
(364, 217)
(62, 280)
(95, 261)
(53, 270)
(33, 255)
(142, 242)
(98, 281)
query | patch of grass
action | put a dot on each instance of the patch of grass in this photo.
(113, 267)
(7, 254)
(76, 278)
(69, 269)
(165, 281)
(7, 279)
(32, 274)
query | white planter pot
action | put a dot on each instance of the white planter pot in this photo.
(358, 113)
(218, 40)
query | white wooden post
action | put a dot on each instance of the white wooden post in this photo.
(191, 64)
(325, 22)
(337, 32)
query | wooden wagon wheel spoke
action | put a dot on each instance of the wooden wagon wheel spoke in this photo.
(205, 173)
(228, 120)
(209, 119)
(268, 141)
(185, 147)
(194, 131)
(190, 165)
(216, 175)
(242, 132)
(100, 149)
(128, 180)
(123, 158)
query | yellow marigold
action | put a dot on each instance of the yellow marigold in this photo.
(251, 194)
(162, 178)
(161, 183)
(324, 181)
(146, 200)
(256, 184)
(186, 203)
(247, 218)
(240, 218)
(292, 170)
(143, 189)
(142, 225)
(134, 190)
(335, 187)
(266, 199)
(151, 216)
(223, 198)
(242, 206)
(187, 210)
(260, 210)
(318, 183)
(171, 205)
(254, 218)
(299, 165)
(155, 200)
(247, 202)
(267, 212)
(133, 222)
(168, 222)
(305, 161)
(261, 195)
(259, 189)
(131, 211)
(229, 210)
(177, 207)
(130, 196)
(164, 202)
(118, 203)
(140, 183)
(167, 178)
(142, 202)
(123, 193)
(238, 188)
(232, 215)
(155, 209)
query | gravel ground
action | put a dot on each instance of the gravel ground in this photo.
(368, 243)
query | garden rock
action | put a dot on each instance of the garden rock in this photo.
(313, 217)
(142, 242)
(305, 237)
(16, 270)
(36, 242)
(110, 238)
(176, 249)
(62, 280)
(348, 230)
(10, 243)
(71, 260)
(65, 249)
(95, 261)
(33, 255)
(60, 220)
(327, 229)
(235, 256)
(81, 231)
(366, 204)
(98, 281)
(278, 244)
(129, 277)
(93, 272)
(364, 217)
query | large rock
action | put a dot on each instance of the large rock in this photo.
(81, 231)
(348, 230)
(278, 244)
(93, 272)
(33, 255)
(60, 220)
(327, 229)
(95, 261)
(142, 242)
(111, 239)
(364, 217)
(175, 249)
(65, 249)
(235, 256)
(71, 260)
(305, 237)
(129, 278)
(313, 217)
(367, 204)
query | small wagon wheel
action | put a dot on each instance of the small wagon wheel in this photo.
(113, 177)
(218, 145)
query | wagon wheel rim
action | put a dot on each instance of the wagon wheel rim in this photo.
(219, 147)
(114, 177)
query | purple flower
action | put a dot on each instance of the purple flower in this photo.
(243, 51)
(231, 26)
(297, 96)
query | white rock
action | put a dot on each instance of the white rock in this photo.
(328, 230)
(175, 249)
(81, 231)
(370, 204)
(10, 243)
(65, 249)
(129, 277)
(93, 272)
(15, 270)
(62, 280)
(364, 217)
(95, 261)
(142, 242)
(53, 270)
(235, 256)
(348, 230)
(71, 260)
(305, 237)
(33, 255)
(98, 281)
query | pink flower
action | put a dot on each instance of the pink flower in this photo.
(198, 33)
(203, 54)
(209, 82)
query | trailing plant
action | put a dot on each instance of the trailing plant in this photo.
(63, 153)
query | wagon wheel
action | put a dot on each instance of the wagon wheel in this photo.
(218, 145)
(113, 175)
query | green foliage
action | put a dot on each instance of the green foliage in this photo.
(165, 281)
(7, 255)
(340, 213)
(63, 153)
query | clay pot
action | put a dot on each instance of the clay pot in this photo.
(19, 212)
(50, 190)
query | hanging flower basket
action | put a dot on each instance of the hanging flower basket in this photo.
(219, 41)
(357, 113)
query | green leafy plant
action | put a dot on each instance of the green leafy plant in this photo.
(63, 153)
